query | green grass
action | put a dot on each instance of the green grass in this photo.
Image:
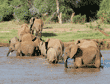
(63, 36)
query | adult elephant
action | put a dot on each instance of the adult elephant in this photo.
(27, 37)
(36, 24)
(23, 30)
(22, 48)
(84, 52)
(53, 49)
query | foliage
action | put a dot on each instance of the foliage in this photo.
(21, 9)
(5, 9)
(50, 7)
(104, 12)
(79, 19)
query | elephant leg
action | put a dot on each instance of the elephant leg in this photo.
(17, 54)
(97, 61)
(66, 63)
(78, 62)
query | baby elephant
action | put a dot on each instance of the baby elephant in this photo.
(22, 48)
(52, 55)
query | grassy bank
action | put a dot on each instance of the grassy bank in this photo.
(65, 32)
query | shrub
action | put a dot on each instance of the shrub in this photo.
(5, 10)
(104, 11)
(104, 16)
(79, 19)
(21, 10)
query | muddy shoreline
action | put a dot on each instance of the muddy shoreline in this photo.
(104, 44)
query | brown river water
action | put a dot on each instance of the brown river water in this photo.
(36, 70)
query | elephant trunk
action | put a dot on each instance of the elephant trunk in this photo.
(65, 61)
(9, 52)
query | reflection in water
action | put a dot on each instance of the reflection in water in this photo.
(36, 70)
(88, 70)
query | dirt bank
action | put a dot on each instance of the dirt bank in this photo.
(4, 44)
(104, 44)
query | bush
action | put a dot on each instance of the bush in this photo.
(21, 10)
(79, 19)
(5, 10)
(104, 16)
(104, 11)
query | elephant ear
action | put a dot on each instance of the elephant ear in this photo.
(73, 50)
(77, 42)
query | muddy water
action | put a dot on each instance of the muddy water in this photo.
(36, 70)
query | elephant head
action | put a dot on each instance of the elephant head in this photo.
(52, 56)
(70, 53)
(13, 45)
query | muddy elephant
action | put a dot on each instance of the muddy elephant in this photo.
(83, 42)
(23, 30)
(85, 53)
(27, 37)
(56, 46)
(36, 24)
(22, 48)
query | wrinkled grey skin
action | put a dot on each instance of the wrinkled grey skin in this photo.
(85, 53)
(22, 48)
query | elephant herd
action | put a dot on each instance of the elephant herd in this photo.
(84, 52)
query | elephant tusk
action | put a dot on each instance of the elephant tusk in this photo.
(10, 53)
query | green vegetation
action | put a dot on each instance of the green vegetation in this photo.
(79, 19)
(8, 30)
(104, 11)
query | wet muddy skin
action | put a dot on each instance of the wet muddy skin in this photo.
(36, 70)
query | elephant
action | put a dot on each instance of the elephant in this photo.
(83, 42)
(52, 45)
(56, 46)
(22, 48)
(36, 24)
(23, 30)
(84, 52)
(27, 37)
(52, 56)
